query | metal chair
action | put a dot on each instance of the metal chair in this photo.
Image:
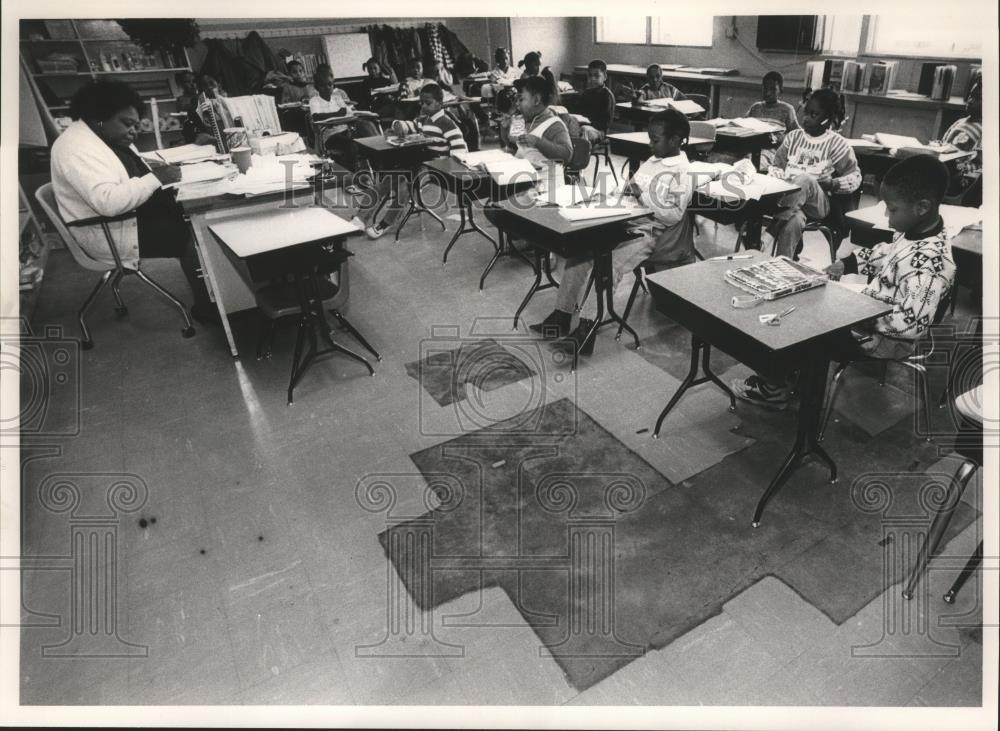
(969, 444)
(598, 151)
(580, 160)
(916, 362)
(46, 198)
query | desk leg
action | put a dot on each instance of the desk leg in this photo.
(214, 291)
(506, 248)
(535, 285)
(698, 346)
(416, 205)
(604, 282)
(465, 210)
(812, 386)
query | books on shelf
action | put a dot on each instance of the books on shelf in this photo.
(829, 73)
(944, 80)
(882, 77)
(853, 76)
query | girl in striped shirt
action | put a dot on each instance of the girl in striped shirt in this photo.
(433, 122)
(820, 162)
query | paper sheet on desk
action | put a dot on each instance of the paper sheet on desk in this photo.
(757, 125)
(732, 187)
(201, 172)
(475, 159)
(684, 106)
(181, 154)
(598, 209)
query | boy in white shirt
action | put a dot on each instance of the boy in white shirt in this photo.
(330, 103)
(663, 184)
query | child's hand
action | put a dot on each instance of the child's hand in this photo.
(826, 182)
(527, 140)
(835, 271)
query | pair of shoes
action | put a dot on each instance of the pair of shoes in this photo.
(376, 231)
(206, 314)
(556, 325)
(575, 340)
(756, 390)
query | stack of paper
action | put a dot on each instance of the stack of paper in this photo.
(684, 106)
(599, 209)
(895, 141)
(514, 170)
(284, 143)
(202, 171)
(181, 154)
(476, 159)
(757, 125)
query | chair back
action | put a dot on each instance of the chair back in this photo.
(46, 198)
(580, 159)
(703, 129)
(704, 102)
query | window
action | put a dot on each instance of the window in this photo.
(676, 29)
(952, 34)
(621, 29)
(842, 34)
(681, 29)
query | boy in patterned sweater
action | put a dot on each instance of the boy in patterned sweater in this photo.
(433, 122)
(913, 273)
(820, 162)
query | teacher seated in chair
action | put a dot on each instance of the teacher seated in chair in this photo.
(97, 172)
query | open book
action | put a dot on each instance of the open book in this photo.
(684, 106)
(513, 170)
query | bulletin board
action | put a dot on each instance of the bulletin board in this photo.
(346, 53)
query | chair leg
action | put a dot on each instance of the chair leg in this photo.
(266, 336)
(597, 167)
(974, 560)
(834, 385)
(611, 165)
(940, 524)
(883, 373)
(87, 343)
(923, 400)
(628, 305)
(188, 330)
(120, 309)
(357, 336)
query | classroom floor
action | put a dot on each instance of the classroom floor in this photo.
(253, 576)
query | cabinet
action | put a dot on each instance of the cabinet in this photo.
(60, 56)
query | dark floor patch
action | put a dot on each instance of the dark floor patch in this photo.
(669, 348)
(665, 560)
(487, 365)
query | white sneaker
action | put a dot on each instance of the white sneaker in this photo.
(375, 231)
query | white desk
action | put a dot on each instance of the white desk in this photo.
(260, 232)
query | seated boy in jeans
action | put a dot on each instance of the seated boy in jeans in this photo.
(912, 273)
(662, 183)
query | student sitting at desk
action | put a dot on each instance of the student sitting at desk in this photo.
(912, 273)
(381, 104)
(330, 103)
(662, 183)
(414, 80)
(532, 63)
(820, 162)
(967, 134)
(433, 122)
(773, 109)
(502, 74)
(597, 103)
(544, 137)
(297, 88)
(656, 88)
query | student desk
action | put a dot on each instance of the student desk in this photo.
(549, 232)
(699, 298)
(405, 159)
(641, 114)
(876, 160)
(227, 283)
(731, 212)
(635, 145)
(468, 186)
(304, 243)
(741, 141)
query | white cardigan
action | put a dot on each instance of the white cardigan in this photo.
(89, 180)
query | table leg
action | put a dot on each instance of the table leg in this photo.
(465, 210)
(506, 248)
(812, 385)
(604, 281)
(416, 205)
(698, 347)
(535, 285)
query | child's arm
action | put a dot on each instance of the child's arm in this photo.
(918, 295)
(847, 174)
(667, 193)
(777, 168)
(868, 262)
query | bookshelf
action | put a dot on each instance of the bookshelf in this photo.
(60, 56)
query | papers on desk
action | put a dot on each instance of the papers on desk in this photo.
(955, 218)
(757, 125)
(476, 159)
(600, 208)
(267, 174)
(512, 170)
(895, 141)
(181, 154)
(737, 188)
(684, 106)
(702, 171)
(564, 195)
(284, 143)
(201, 172)
(865, 144)
(385, 90)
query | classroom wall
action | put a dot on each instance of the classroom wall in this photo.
(738, 53)
(553, 37)
(478, 34)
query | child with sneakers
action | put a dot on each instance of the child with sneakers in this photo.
(664, 185)
(820, 162)
(433, 122)
(913, 273)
